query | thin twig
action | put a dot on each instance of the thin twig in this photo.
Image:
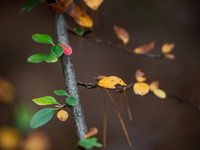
(105, 119)
(120, 118)
(127, 105)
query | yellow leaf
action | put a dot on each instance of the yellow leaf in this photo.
(80, 17)
(139, 76)
(141, 88)
(93, 4)
(160, 93)
(154, 85)
(166, 48)
(91, 131)
(169, 56)
(121, 34)
(62, 115)
(10, 138)
(110, 82)
(145, 48)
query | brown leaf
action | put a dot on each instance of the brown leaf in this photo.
(61, 6)
(7, 91)
(169, 56)
(93, 4)
(139, 76)
(145, 48)
(81, 17)
(154, 85)
(121, 34)
(91, 131)
(100, 77)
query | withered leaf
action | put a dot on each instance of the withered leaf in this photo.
(80, 17)
(121, 34)
(91, 131)
(145, 48)
(154, 85)
(166, 48)
(61, 6)
(93, 4)
(139, 76)
(169, 56)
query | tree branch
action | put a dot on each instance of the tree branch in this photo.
(70, 77)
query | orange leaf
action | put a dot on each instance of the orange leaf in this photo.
(61, 6)
(62, 115)
(7, 91)
(169, 56)
(91, 131)
(154, 85)
(81, 17)
(138, 76)
(145, 48)
(160, 93)
(166, 48)
(121, 34)
(110, 82)
(141, 88)
(93, 4)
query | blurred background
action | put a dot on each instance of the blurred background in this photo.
(157, 123)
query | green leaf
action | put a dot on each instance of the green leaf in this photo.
(71, 101)
(57, 50)
(41, 117)
(22, 116)
(89, 142)
(51, 58)
(43, 38)
(29, 6)
(61, 92)
(36, 58)
(47, 100)
(79, 32)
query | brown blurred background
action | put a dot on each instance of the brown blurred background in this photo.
(157, 124)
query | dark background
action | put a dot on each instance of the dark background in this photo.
(157, 124)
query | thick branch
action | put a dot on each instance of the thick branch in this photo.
(70, 77)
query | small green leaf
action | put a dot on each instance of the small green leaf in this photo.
(61, 92)
(43, 38)
(51, 58)
(89, 142)
(71, 101)
(57, 50)
(79, 32)
(30, 5)
(36, 58)
(46, 100)
(41, 117)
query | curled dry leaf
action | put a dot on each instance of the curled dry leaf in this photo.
(91, 131)
(166, 48)
(139, 76)
(7, 91)
(154, 85)
(61, 6)
(62, 115)
(169, 56)
(80, 17)
(100, 77)
(160, 93)
(10, 138)
(121, 34)
(145, 48)
(66, 49)
(110, 82)
(141, 88)
(93, 4)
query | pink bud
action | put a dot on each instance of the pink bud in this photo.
(67, 49)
